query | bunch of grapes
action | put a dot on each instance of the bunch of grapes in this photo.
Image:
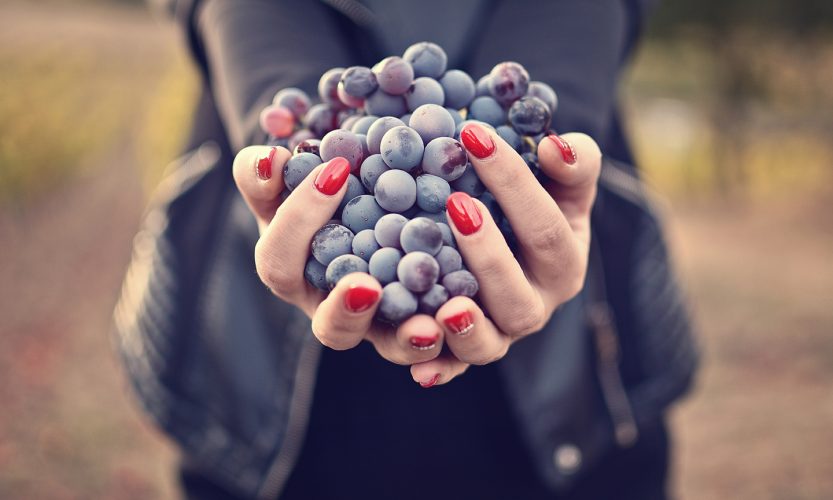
(398, 124)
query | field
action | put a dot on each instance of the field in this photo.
(90, 115)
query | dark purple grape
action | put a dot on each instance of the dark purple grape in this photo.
(487, 109)
(544, 92)
(361, 213)
(354, 189)
(427, 59)
(320, 119)
(299, 137)
(432, 121)
(431, 301)
(434, 216)
(405, 118)
(344, 144)
(448, 236)
(381, 103)
(459, 88)
(418, 271)
(431, 192)
(331, 241)
(316, 274)
(397, 303)
(348, 122)
(421, 234)
(308, 146)
(481, 88)
(388, 228)
(455, 115)
(424, 90)
(363, 124)
(365, 151)
(348, 100)
(460, 283)
(343, 265)
(491, 203)
(383, 264)
(372, 167)
(365, 244)
(378, 130)
(328, 87)
(509, 135)
(445, 157)
(402, 148)
(531, 160)
(298, 168)
(295, 100)
(448, 258)
(358, 81)
(508, 82)
(395, 191)
(394, 75)
(530, 116)
(469, 182)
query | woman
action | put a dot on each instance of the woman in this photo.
(565, 404)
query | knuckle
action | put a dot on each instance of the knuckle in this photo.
(547, 240)
(277, 277)
(484, 356)
(526, 321)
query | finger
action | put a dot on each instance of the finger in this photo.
(470, 336)
(514, 304)
(416, 340)
(438, 371)
(572, 163)
(541, 228)
(281, 253)
(344, 318)
(258, 173)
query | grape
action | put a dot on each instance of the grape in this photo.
(421, 234)
(299, 137)
(354, 189)
(418, 271)
(397, 303)
(431, 301)
(431, 192)
(378, 130)
(328, 87)
(388, 228)
(298, 168)
(372, 167)
(448, 236)
(383, 264)
(460, 283)
(347, 99)
(445, 158)
(365, 151)
(293, 99)
(530, 116)
(358, 81)
(402, 148)
(459, 88)
(348, 122)
(383, 104)
(487, 109)
(320, 119)
(363, 124)
(434, 216)
(482, 86)
(491, 203)
(405, 118)
(277, 142)
(531, 160)
(424, 90)
(344, 144)
(508, 82)
(315, 273)
(395, 191)
(509, 135)
(343, 265)
(394, 75)
(469, 182)
(361, 212)
(432, 121)
(365, 244)
(455, 115)
(448, 258)
(544, 92)
(331, 241)
(277, 121)
(427, 59)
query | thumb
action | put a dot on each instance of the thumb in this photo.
(258, 173)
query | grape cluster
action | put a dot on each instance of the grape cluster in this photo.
(398, 124)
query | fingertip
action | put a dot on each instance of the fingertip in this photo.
(571, 159)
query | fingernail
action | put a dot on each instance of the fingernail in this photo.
(477, 141)
(263, 167)
(464, 213)
(567, 150)
(423, 343)
(461, 323)
(430, 382)
(359, 298)
(333, 176)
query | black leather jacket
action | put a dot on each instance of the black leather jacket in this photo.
(228, 370)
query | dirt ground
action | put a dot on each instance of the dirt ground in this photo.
(758, 273)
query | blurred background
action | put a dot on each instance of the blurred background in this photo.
(729, 105)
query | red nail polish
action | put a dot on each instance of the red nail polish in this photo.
(477, 141)
(461, 323)
(431, 382)
(359, 298)
(333, 176)
(464, 213)
(567, 151)
(423, 343)
(263, 167)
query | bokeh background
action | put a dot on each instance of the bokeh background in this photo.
(729, 104)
